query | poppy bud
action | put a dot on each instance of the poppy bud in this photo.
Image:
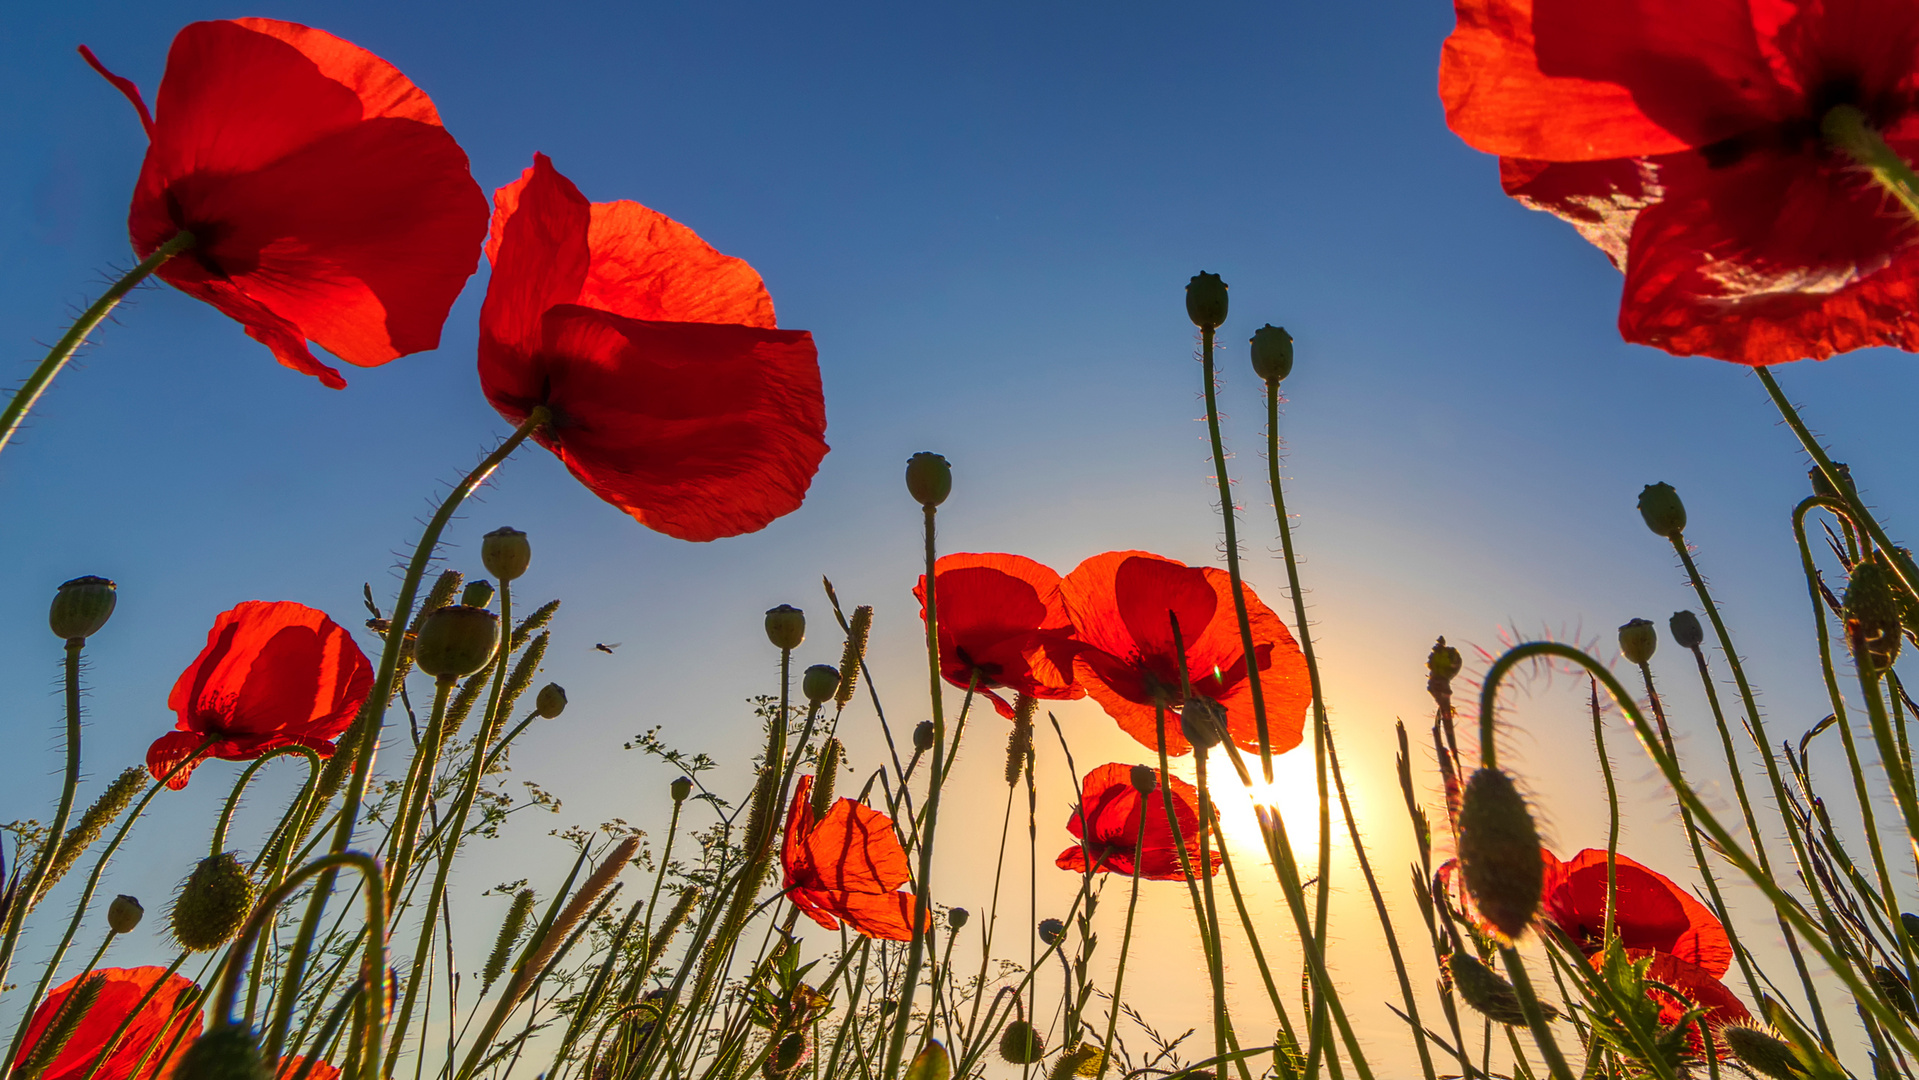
(456, 640)
(1444, 661)
(929, 479)
(477, 593)
(550, 702)
(1872, 618)
(1020, 1044)
(828, 773)
(1665, 515)
(1762, 1053)
(1823, 486)
(820, 682)
(1206, 300)
(1051, 931)
(1686, 629)
(1082, 1060)
(505, 553)
(1272, 353)
(1499, 852)
(1638, 640)
(1145, 779)
(81, 607)
(225, 1052)
(956, 917)
(213, 904)
(788, 1056)
(785, 627)
(1203, 721)
(681, 788)
(1485, 990)
(124, 914)
(923, 735)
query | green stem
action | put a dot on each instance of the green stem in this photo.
(1222, 1023)
(16, 918)
(1612, 823)
(246, 777)
(419, 789)
(24, 398)
(1125, 943)
(1846, 128)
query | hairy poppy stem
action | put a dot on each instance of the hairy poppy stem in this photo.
(43, 861)
(24, 398)
(1125, 943)
(1846, 128)
(1610, 920)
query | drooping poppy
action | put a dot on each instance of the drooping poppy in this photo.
(847, 866)
(1107, 822)
(171, 1010)
(1003, 626)
(1122, 605)
(326, 199)
(1685, 141)
(1653, 912)
(673, 394)
(272, 674)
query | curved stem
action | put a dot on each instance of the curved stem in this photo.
(246, 777)
(419, 789)
(1846, 128)
(1612, 822)
(30, 888)
(923, 887)
(24, 398)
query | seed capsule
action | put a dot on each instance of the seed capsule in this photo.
(1485, 990)
(1145, 779)
(1020, 1044)
(456, 640)
(124, 914)
(477, 593)
(1823, 486)
(1203, 721)
(506, 553)
(681, 788)
(957, 917)
(820, 683)
(81, 607)
(1872, 617)
(1499, 852)
(1051, 931)
(225, 1052)
(1638, 640)
(1272, 353)
(786, 627)
(929, 479)
(213, 904)
(550, 702)
(1444, 661)
(1206, 300)
(1762, 1053)
(1686, 630)
(923, 735)
(1665, 515)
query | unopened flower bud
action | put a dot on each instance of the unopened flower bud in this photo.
(456, 640)
(788, 1055)
(681, 788)
(505, 552)
(1444, 661)
(1020, 1044)
(1665, 515)
(1484, 989)
(820, 682)
(923, 735)
(956, 917)
(1145, 779)
(477, 593)
(1823, 486)
(1872, 617)
(1203, 721)
(929, 479)
(124, 914)
(213, 904)
(1206, 300)
(1638, 640)
(1052, 931)
(1272, 353)
(1499, 852)
(1686, 630)
(786, 627)
(1762, 1053)
(224, 1052)
(81, 607)
(550, 702)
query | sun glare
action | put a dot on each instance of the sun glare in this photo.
(1292, 793)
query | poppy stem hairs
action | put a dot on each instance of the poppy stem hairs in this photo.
(1846, 127)
(24, 398)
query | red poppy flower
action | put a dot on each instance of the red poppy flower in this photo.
(673, 395)
(1107, 823)
(1684, 140)
(272, 675)
(1653, 912)
(1119, 603)
(1694, 987)
(1003, 626)
(326, 199)
(170, 1010)
(291, 1065)
(847, 865)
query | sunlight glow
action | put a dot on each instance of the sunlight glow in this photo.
(1292, 793)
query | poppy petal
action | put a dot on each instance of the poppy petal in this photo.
(537, 245)
(159, 1020)
(168, 752)
(1601, 199)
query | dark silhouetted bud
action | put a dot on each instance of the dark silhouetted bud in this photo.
(456, 640)
(225, 1052)
(1085, 1060)
(1638, 640)
(923, 735)
(1145, 779)
(1444, 661)
(81, 607)
(956, 917)
(1665, 515)
(929, 479)
(1686, 629)
(1485, 990)
(1499, 852)
(1892, 986)
(550, 702)
(785, 627)
(505, 553)
(681, 788)
(1272, 353)
(1206, 300)
(820, 682)
(1762, 1053)
(1822, 486)
(1051, 931)
(787, 1057)
(213, 904)
(1203, 721)
(124, 914)
(1911, 922)
(1872, 617)
(1020, 1044)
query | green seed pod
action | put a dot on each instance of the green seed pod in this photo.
(957, 917)
(932, 1063)
(509, 936)
(1911, 924)
(1665, 515)
(923, 735)
(1444, 662)
(854, 654)
(1822, 486)
(225, 1052)
(1203, 721)
(1638, 640)
(213, 904)
(825, 781)
(1019, 743)
(680, 788)
(820, 683)
(1020, 1044)
(550, 702)
(477, 593)
(1686, 630)
(1272, 353)
(787, 1056)
(786, 627)
(1499, 852)
(929, 479)
(506, 553)
(1206, 300)
(456, 640)
(81, 607)
(1082, 1060)
(1872, 617)
(124, 914)
(1051, 931)
(1762, 1053)
(1145, 779)
(1485, 990)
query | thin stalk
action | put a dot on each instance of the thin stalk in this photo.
(419, 788)
(1899, 779)
(1846, 127)
(16, 918)
(1612, 821)
(1125, 943)
(246, 777)
(1222, 1023)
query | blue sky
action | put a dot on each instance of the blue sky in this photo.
(985, 213)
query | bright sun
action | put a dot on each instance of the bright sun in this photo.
(1291, 792)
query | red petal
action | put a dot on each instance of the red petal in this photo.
(1112, 808)
(382, 90)
(1003, 624)
(1601, 199)
(537, 244)
(293, 1063)
(168, 752)
(125, 86)
(159, 1020)
(1654, 912)
(888, 916)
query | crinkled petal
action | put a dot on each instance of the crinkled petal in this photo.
(160, 1022)
(169, 752)
(1601, 199)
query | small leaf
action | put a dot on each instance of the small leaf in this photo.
(932, 1064)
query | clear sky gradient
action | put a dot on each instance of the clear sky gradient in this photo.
(985, 213)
